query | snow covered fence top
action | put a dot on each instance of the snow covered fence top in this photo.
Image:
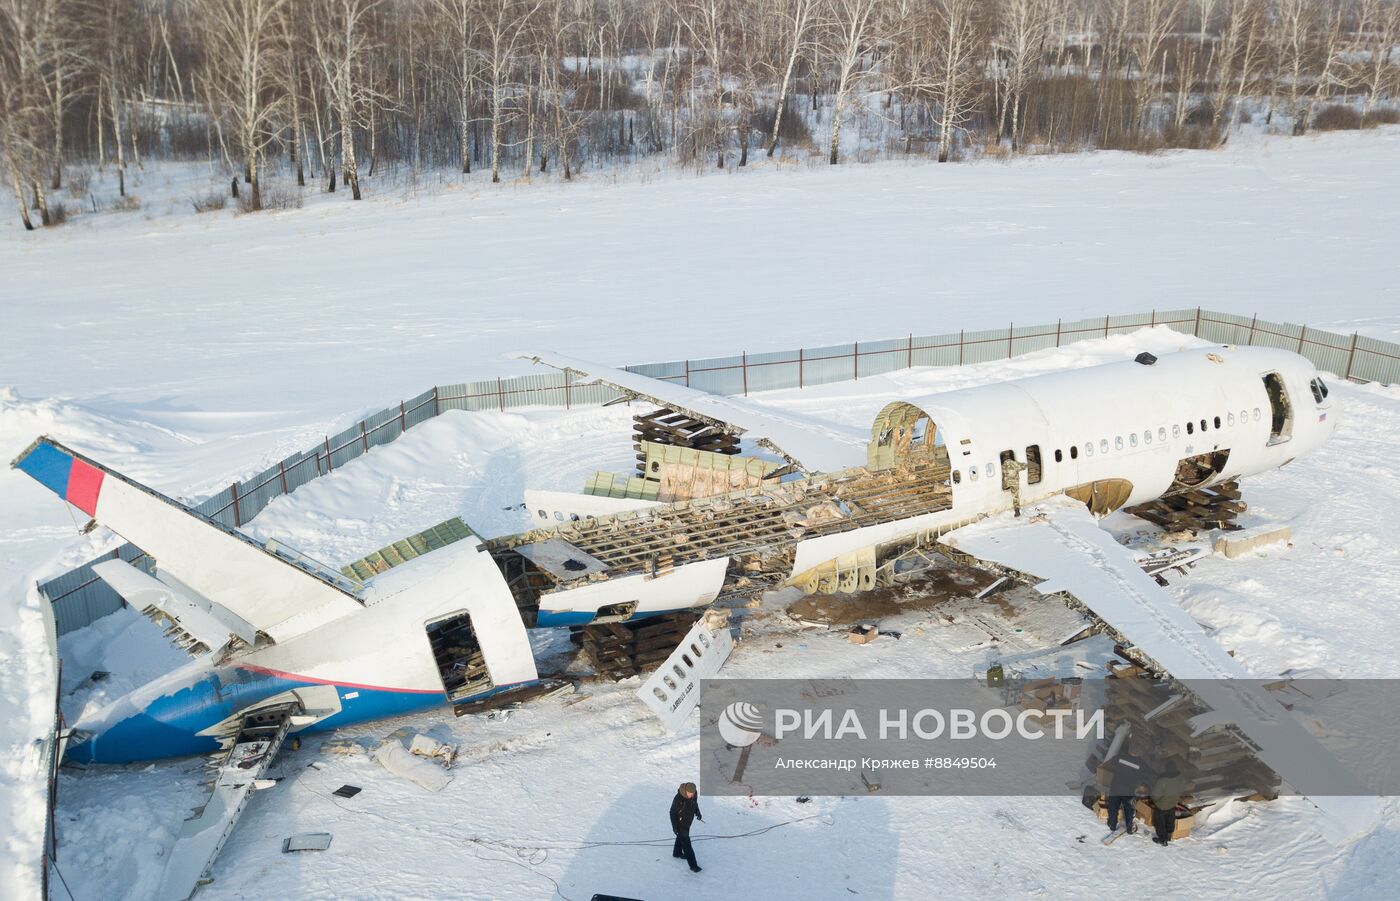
(79, 596)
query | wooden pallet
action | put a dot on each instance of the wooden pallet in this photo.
(620, 650)
(1196, 509)
(677, 429)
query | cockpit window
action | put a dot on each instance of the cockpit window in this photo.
(1319, 390)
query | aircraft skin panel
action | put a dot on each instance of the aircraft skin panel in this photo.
(1060, 541)
(229, 569)
(689, 585)
(815, 445)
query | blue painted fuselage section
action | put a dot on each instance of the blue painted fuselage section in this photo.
(169, 726)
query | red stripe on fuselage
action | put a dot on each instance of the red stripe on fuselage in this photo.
(84, 484)
(294, 677)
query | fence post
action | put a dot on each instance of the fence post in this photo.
(567, 383)
(1105, 326)
(909, 359)
(1154, 317)
(1197, 332)
(329, 467)
(800, 366)
(237, 517)
(437, 410)
(744, 367)
(1010, 330)
(855, 365)
(962, 335)
(500, 394)
(364, 436)
(1301, 335)
(403, 420)
(282, 467)
(687, 373)
(1351, 357)
(1253, 322)
(1057, 333)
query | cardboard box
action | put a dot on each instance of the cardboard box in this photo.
(863, 634)
(1183, 820)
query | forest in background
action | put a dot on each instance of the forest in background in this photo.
(322, 92)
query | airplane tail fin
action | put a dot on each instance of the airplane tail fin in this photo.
(274, 589)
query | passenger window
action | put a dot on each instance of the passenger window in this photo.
(1319, 390)
(1203, 425)
(1176, 431)
(1059, 457)
(1118, 443)
(1217, 422)
(1088, 448)
(1231, 419)
(1132, 440)
(1147, 436)
(1190, 429)
(1074, 452)
(1256, 414)
(957, 477)
(559, 515)
(972, 473)
(544, 515)
(1103, 445)
(1162, 434)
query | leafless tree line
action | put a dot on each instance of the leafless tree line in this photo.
(328, 89)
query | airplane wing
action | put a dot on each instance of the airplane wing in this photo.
(812, 445)
(1060, 542)
(272, 589)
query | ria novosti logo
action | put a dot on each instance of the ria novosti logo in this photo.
(740, 724)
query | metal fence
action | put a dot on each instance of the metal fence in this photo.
(80, 597)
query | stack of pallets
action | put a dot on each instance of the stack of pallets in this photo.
(620, 650)
(1216, 764)
(680, 430)
(1195, 510)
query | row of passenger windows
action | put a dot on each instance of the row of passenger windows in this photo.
(1119, 443)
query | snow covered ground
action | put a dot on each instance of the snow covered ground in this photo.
(187, 351)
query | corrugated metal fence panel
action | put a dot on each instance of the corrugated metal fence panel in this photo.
(1071, 330)
(1328, 352)
(718, 375)
(985, 346)
(1225, 328)
(1180, 320)
(937, 350)
(346, 446)
(1376, 361)
(1283, 335)
(545, 389)
(219, 507)
(472, 396)
(1030, 338)
(303, 469)
(670, 372)
(384, 426)
(1129, 322)
(420, 409)
(774, 371)
(880, 357)
(824, 365)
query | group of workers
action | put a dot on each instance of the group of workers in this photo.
(1130, 783)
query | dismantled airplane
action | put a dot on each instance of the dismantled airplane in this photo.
(309, 648)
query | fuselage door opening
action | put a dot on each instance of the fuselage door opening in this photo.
(460, 662)
(1280, 410)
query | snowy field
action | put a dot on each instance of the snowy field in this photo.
(187, 351)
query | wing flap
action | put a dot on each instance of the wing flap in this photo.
(1060, 542)
(813, 445)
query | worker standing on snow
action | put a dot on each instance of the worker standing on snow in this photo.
(685, 808)
(1122, 791)
(1167, 791)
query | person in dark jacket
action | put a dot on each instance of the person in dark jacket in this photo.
(685, 809)
(1127, 779)
(1167, 792)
